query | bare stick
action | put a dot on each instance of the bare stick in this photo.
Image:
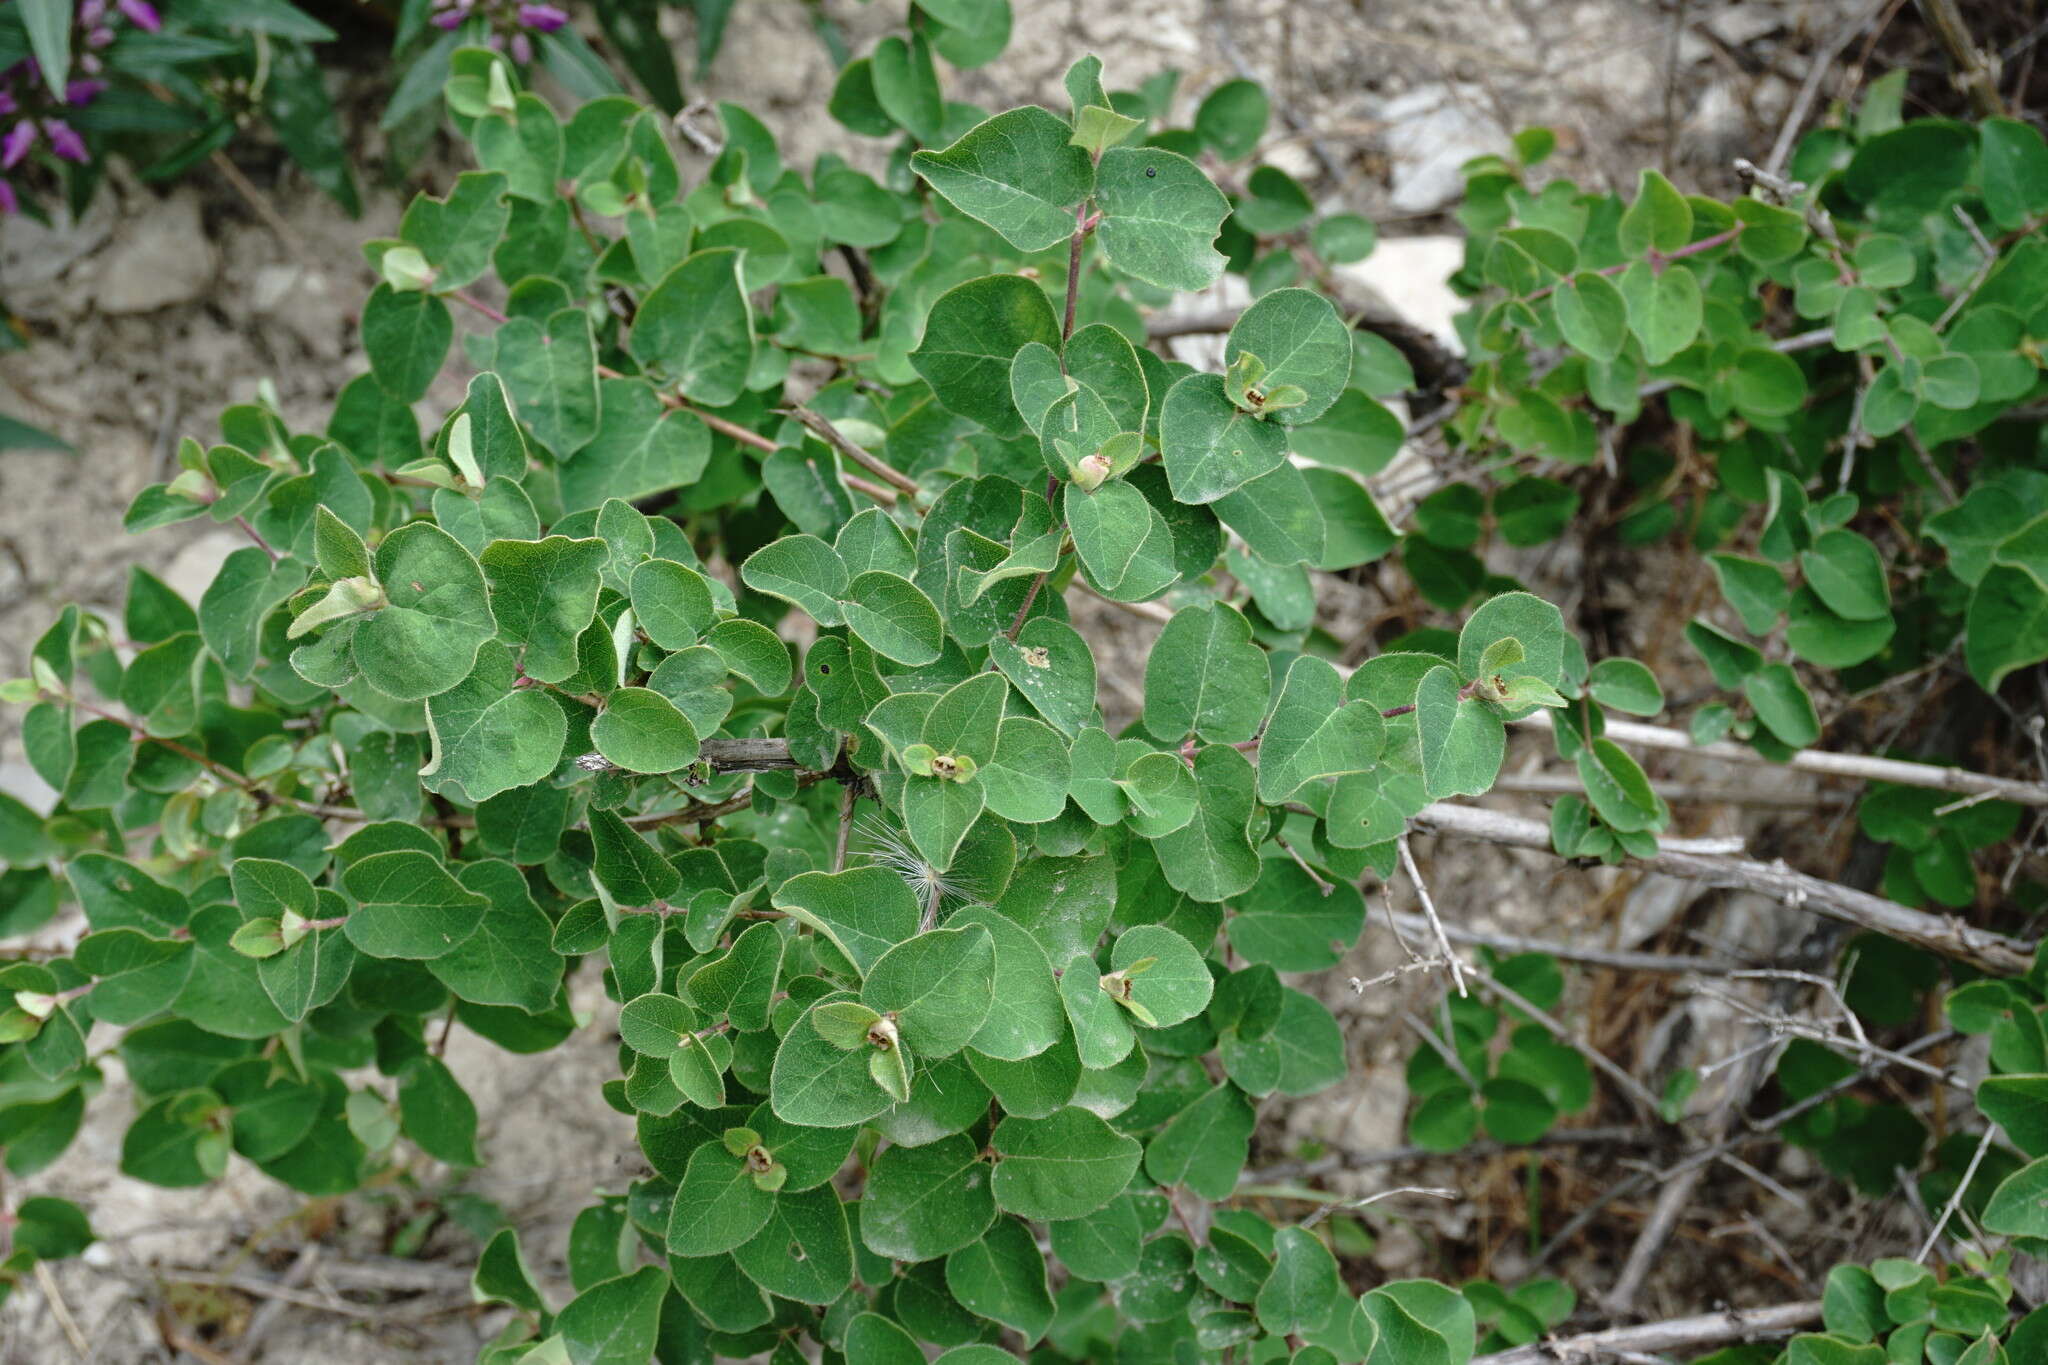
(1673, 1198)
(1863, 767)
(1741, 1167)
(1630, 1086)
(1327, 1209)
(1024, 608)
(1436, 925)
(1942, 934)
(1955, 1200)
(1345, 1159)
(1441, 1048)
(62, 1311)
(1683, 793)
(1360, 986)
(874, 491)
(846, 799)
(839, 441)
(1823, 62)
(747, 755)
(1074, 245)
(1321, 884)
(1772, 1123)
(267, 1313)
(1661, 963)
(726, 426)
(254, 535)
(1976, 71)
(1708, 1329)
(1619, 1190)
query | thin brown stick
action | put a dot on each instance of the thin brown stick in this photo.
(1947, 935)
(846, 800)
(884, 496)
(61, 1311)
(308, 259)
(839, 441)
(1074, 245)
(1322, 884)
(1024, 608)
(726, 427)
(257, 536)
(1976, 71)
(1757, 1128)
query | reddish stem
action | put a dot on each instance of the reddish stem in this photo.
(1659, 259)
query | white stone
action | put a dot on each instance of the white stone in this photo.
(1411, 276)
(26, 785)
(160, 257)
(196, 565)
(34, 256)
(1432, 132)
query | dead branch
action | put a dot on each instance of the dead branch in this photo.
(1708, 1329)
(1946, 935)
(1862, 767)
(1662, 963)
(1976, 71)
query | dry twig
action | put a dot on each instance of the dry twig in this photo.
(1708, 1329)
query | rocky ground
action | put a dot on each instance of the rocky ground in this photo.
(161, 306)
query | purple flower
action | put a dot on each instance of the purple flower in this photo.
(83, 92)
(522, 49)
(140, 13)
(542, 18)
(15, 145)
(100, 37)
(65, 141)
(448, 18)
(8, 203)
(90, 12)
(7, 104)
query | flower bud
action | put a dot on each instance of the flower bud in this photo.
(405, 269)
(36, 1003)
(542, 18)
(140, 13)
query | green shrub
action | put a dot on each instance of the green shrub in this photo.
(924, 973)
